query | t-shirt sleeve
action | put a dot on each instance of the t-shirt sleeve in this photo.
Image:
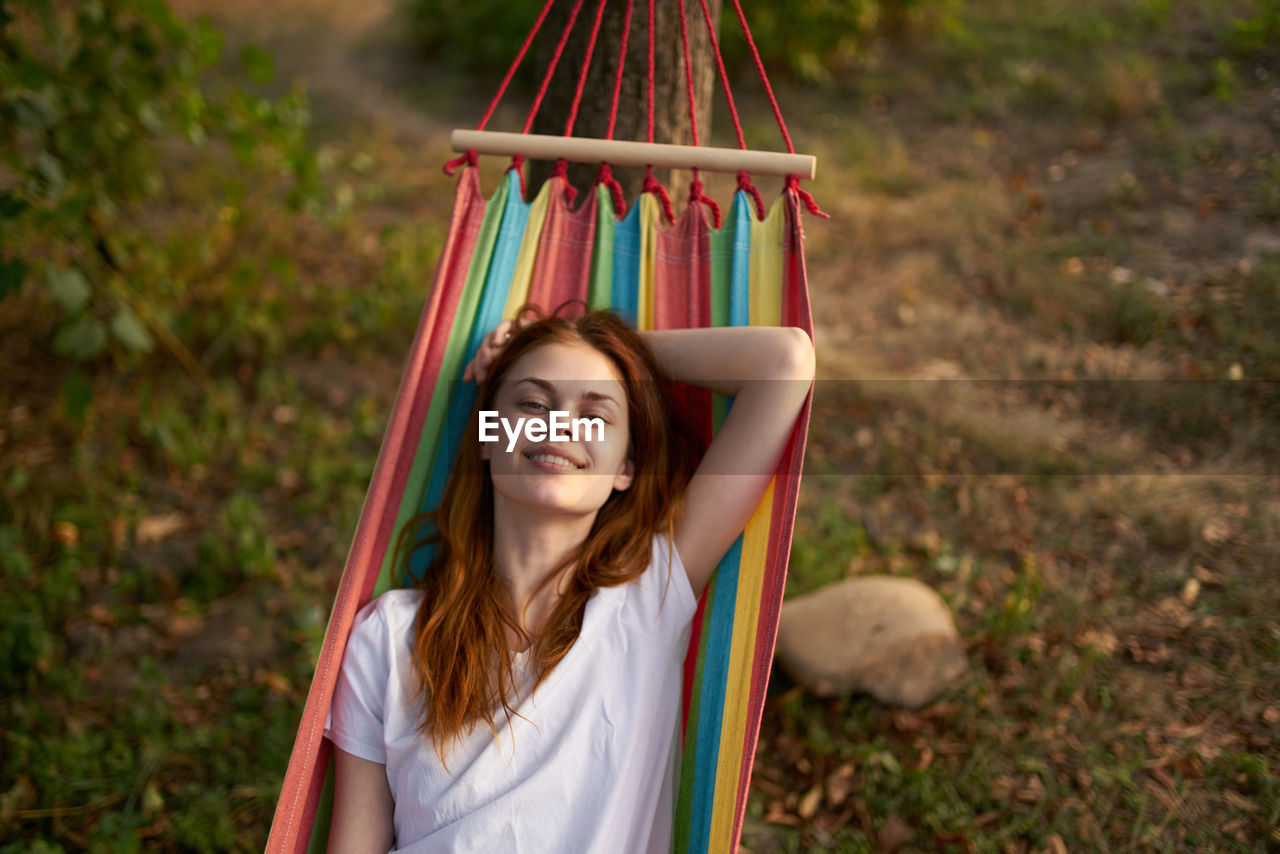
(356, 716)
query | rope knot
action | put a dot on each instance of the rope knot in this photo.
(696, 195)
(744, 183)
(793, 183)
(605, 176)
(561, 170)
(467, 159)
(652, 185)
(517, 162)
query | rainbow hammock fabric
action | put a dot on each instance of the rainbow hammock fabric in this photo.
(500, 253)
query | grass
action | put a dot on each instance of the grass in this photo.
(170, 548)
(1102, 712)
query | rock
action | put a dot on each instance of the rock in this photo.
(890, 637)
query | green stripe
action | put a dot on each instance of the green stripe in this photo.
(600, 292)
(450, 370)
(692, 744)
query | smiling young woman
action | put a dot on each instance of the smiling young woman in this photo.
(558, 601)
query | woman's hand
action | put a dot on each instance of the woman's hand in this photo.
(478, 368)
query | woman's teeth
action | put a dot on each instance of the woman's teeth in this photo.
(553, 460)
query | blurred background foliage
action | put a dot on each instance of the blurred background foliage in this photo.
(91, 95)
(810, 40)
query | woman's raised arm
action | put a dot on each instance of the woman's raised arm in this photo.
(768, 370)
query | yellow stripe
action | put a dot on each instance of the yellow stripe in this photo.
(746, 618)
(764, 276)
(764, 283)
(518, 294)
(648, 255)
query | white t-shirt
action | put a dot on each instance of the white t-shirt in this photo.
(591, 770)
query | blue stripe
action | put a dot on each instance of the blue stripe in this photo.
(715, 672)
(740, 263)
(462, 396)
(719, 632)
(626, 266)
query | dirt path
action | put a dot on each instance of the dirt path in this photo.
(348, 53)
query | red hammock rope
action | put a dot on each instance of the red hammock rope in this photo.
(744, 177)
(695, 186)
(764, 78)
(622, 61)
(551, 69)
(651, 184)
(586, 64)
(605, 175)
(650, 78)
(469, 157)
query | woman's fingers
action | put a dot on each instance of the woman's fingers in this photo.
(490, 346)
(502, 333)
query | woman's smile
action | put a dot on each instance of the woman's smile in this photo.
(551, 460)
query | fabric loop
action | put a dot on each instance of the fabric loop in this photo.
(744, 183)
(467, 159)
(605, 176)
(793, 183)
(652, 185)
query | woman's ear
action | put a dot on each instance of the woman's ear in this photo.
(622, 480)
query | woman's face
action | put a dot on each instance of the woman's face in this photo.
(560, 473)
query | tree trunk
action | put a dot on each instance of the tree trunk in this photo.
(671, 121)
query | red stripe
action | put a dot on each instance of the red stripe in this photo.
(562, 270)
(304, 779)
(682, 300)
(796, 311)
(691, 660)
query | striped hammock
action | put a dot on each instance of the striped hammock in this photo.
(501, 253)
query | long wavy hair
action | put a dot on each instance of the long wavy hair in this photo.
(461, 656)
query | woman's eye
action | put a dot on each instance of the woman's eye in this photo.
(532, 404)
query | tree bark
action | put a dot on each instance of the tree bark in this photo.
(670, 101)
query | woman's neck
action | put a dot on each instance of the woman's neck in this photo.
(529, 545)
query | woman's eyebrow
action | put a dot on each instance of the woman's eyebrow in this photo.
(550, 388)
(599, 396)
(539, 382)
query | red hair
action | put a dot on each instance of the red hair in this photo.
(461, 656)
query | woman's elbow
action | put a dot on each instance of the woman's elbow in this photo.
(795, 355)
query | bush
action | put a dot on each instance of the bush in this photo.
(90, 95)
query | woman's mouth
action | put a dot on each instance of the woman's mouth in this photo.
(551, 461)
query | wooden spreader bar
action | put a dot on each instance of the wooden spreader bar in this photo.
(627, 153)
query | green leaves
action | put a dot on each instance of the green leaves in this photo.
(81, 339)
(68, 288)
(10, 206)
(82, 336)
(128, 329)
(93, 96)
(258, 64)
(12, 274)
